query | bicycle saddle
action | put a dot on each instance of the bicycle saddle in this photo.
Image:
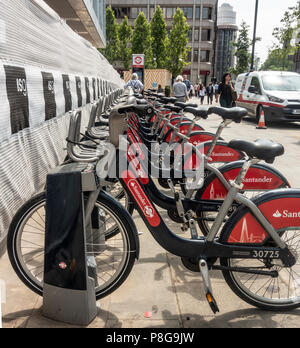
(141, 110)
(235, 114)
(166, 100)
(142, 102)
(203, 113)
(131, 100)
(185, 105)
(176, 109)
(262, 149)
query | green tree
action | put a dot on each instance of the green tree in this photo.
(111, 52)
(125, 34)
(159, 38)
(177, 47)
(277, 61)
(284, 35)
(242, 50)
(142, 39)
(278, 57)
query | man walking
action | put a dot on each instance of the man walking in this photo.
(187, 83)
(180, 90)
(210, 93)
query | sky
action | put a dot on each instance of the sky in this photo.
(270, 13)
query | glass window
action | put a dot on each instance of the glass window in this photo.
(134, 12)
(188, 12)
(207, 13)
(197, 14)
(152, 10)
(205, 35)
(255, 82)
(189, 58)
(196, 55)
(121, 12)
(169, 13)
(196, 34)
(204, 56)
(190, 34)
(281, 82)
(145, 10)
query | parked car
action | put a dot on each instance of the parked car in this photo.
(275, 92)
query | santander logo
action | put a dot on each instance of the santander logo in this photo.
(286, 214)
(277, 214)
(148, 211)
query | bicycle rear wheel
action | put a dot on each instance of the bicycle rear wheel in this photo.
(114, 260)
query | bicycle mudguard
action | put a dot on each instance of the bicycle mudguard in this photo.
(222, 153)
(280, 207)
(260, 177)
(186, 121)
(185, 127)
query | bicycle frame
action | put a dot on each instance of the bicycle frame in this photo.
(207, 248)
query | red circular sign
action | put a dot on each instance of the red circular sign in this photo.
(138, 60)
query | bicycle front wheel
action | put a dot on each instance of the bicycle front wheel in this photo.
(281, 293)
(115, 259)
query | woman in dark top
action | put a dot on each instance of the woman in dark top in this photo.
(226, 90)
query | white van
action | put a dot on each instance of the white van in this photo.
(275, 92)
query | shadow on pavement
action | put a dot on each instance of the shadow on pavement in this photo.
(245, 318)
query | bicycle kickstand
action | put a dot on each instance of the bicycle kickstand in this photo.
(207, 286)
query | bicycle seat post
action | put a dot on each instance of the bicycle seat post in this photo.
(223, 125)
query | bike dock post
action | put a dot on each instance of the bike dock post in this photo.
(70, 269)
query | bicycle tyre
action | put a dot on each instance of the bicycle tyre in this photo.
(105, 201)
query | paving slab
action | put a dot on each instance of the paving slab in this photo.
(159, 283)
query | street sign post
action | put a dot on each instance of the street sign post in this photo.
(138, 66)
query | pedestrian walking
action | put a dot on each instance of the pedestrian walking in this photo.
(210, 93)
(202, 93)
(226, 91)
(216, 92)
(187, 83)
(160, 89)
(135, 84)
(180, 91)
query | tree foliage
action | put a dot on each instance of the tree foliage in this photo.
(142, 39)
(177, 47)
(125, 34)
(111, 52)
(242, 50)
(278, 58)
(159, 38)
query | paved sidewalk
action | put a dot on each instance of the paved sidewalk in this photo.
(159, 283)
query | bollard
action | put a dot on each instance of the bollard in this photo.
(262, 121)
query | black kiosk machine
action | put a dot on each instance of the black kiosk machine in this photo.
(70, 274)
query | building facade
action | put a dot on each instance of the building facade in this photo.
(86, 17)
(226, 34)
(202, 18)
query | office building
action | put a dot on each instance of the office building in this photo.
(86, 17)
(201, 16)
(226, 34)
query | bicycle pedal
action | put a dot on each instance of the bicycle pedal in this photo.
(212, 303)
